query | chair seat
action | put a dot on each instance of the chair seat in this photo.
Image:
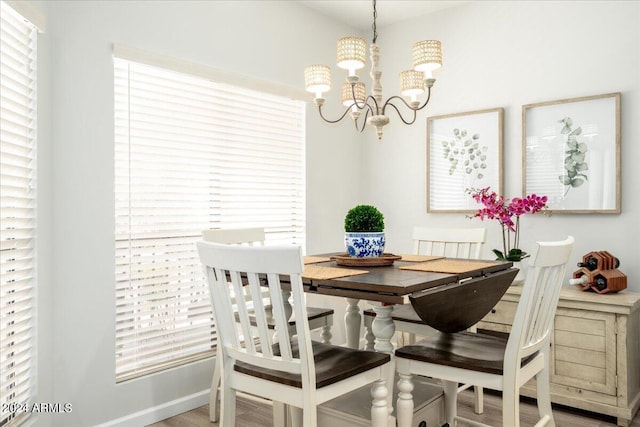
(312, 314)
(332, 364)
(471, 351)
(400, 313)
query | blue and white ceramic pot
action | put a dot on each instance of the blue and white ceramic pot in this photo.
(364, 245)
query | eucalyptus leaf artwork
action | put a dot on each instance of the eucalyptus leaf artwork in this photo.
(464, 150)
(466, 155)
(575, 167)
(571, 153)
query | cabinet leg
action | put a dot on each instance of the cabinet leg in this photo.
(623, 423)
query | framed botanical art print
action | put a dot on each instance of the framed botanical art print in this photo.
(571, 153)
(464, 151)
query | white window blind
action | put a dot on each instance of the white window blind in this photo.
(17, 212)
(192, 154)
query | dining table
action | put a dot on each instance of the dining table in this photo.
(442, 282)
(449, 294)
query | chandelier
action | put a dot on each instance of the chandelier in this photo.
(427, 56)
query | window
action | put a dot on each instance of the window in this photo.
(192, 154)
(17, 212)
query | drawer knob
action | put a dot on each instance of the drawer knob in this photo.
(493, 311)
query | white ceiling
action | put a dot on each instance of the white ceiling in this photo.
(359, 13)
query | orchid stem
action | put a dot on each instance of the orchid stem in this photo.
(504, 243)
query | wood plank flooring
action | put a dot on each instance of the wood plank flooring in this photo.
(253, 414)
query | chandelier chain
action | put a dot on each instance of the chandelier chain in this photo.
(375, 16)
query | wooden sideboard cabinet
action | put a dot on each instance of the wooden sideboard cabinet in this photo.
(595, 350)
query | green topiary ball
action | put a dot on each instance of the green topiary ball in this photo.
(364, 219)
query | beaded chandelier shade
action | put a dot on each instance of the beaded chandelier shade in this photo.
(351, 53)
(427, 55)
(357, 92)
(351, 56)
(317, 78)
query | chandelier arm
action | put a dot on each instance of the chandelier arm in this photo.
(370, 108)
(366, 104)
(329, 120)
(388, 102)
(375, 103)
(426, 100)
(364, 122)
(391, 104)
(391, 98)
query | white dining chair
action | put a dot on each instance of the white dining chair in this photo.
(494, 362)
(293, 370)
(319, 318)
(464, 243)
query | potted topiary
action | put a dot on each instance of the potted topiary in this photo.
(364, 236)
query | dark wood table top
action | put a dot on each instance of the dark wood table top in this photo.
(390, 284)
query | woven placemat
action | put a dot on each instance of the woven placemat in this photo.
(449, 266)
(315, 259)
(319, 272)
(419, 258)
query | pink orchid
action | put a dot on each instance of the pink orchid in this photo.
(503, 210)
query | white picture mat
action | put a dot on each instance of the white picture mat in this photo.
(447, 192)
(545, 147)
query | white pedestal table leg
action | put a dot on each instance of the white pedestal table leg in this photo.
(352, 320)
(383, 329)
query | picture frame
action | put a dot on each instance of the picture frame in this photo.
(571, 153)
(464, 152)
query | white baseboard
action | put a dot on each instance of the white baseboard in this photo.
(161, 412)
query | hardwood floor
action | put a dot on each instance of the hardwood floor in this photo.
(248, 414)
(253, 414)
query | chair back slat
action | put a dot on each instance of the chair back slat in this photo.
(547, 300)
(262, 325)
(449, 242)
(463, 250)
(243, 311)
(280, 316)
(227, 266)
(223, 305)
(539, 300)
(254, 236)
(302, 330)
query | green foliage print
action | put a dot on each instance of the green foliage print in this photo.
(575, 168)
(466, 152)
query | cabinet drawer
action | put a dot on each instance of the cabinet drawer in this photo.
(503, 313)
(584, 350)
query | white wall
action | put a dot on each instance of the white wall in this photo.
(267, 40)
(496, 54)
(507, 54)
(44, 294)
